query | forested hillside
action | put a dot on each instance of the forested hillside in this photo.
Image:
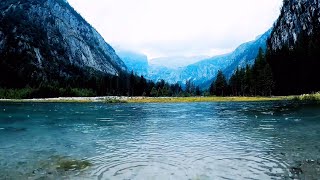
(294, 48)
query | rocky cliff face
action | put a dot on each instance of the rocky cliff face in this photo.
(296, 16)
(294, 48)
(42, 37)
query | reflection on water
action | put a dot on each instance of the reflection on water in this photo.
(161, 141)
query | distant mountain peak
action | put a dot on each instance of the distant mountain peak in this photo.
(201, 69)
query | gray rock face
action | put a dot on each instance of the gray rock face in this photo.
(2, 41)
(58, 34)
(296, 16)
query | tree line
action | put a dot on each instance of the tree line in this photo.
(88, 82)
(255, 80)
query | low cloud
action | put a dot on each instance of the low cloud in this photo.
(179, 27)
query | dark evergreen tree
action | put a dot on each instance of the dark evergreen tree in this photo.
(220, 84)
(176, 89)
(188, 86)
(250, 81)
(154, 92)
(211, 88)
(198, 91)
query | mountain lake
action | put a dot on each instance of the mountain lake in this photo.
(243, 140)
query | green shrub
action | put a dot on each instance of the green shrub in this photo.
(114, 101)
(24, 93)
(309, 98)
(82, 92)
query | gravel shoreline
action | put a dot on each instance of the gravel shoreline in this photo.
(69, 99)
(85, 99)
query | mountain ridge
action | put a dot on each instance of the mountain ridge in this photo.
(203, 72)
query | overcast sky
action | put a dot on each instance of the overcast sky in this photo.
(160, 28)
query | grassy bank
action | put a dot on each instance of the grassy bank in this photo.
(307, 98)
(200, 99)
(115, 99)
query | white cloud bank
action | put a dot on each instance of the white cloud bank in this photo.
(179, 27)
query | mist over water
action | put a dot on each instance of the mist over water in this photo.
(265, 140)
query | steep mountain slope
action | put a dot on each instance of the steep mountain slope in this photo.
(203, 72)
(294, 48)
(249, 54)
(47, 40)
(135, 62)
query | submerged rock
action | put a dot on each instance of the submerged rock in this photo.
(307, 169)
(296, 170)
(70, 165)
(56, 167)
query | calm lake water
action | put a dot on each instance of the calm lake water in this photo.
(161, 141)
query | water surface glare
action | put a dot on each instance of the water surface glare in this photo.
(268, 140)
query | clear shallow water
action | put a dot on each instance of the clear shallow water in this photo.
(161, 141)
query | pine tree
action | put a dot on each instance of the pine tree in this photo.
(165, 91)
(188, 86)
(248, 81)
(132, 84)
(154, 92)
(220, 85)
(198, 91)
(268, 81)
(258, 76)
(142, 86)
(211, 88)
(253, 81)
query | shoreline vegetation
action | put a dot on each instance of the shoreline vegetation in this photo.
(306, 98)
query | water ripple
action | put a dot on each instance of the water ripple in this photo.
(162, 141)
